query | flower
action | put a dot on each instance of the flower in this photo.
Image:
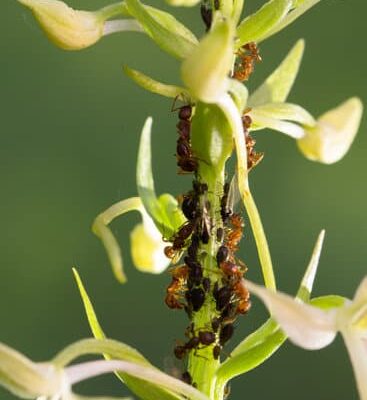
(330, 139)
(147, 246)
(313, 328)
(67, 28)
(54, 380)
(146, 240)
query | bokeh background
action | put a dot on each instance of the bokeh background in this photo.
(70, 125)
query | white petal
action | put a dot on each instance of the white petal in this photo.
(334, 133)
(67, 28)
(358, 308)
(147, 247)
(306, 326)
(357, 350)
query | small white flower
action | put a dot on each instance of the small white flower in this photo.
(313, 328)
(67, 28)
(330, 139)
(147, 246)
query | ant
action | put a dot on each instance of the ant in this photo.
(253, 158)
(185, 158)
(248, 54)
(176, 288)
(243, 296)
(234, 235)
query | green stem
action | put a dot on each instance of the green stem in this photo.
(114, 10)
(260, 239)
(201, 364)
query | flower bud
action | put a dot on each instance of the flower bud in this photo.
(331, 138)
(147, 247)
(67, 28)
(205, 72)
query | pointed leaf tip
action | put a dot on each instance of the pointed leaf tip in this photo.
(310, 274)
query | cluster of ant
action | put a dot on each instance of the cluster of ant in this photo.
(190, 285)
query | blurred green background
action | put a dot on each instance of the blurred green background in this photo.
(70, 126)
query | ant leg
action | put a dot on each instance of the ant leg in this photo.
(100, 228)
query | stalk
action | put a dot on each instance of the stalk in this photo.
(201, 364)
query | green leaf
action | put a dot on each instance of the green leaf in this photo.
(169, 34)
(299, 8)
(262, 120)
(109, 349)
(255, 27)
(144, 178)
(252, 351)
(286, 112)
(328, 302)
(261, 344)
(305, 289)
(277, 86)
(239, 93)
(157, 87)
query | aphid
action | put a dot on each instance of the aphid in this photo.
(206, 337)
(207, 16)
(220, 235)
(186, 377)
(222, 254)
(229, 313)
(195, 297)
(225, 334)
(206, 284)
(200, 188)
(225, 211)
(180, 351)
(248, 55)
(193, 343)
(189, 206)
(216, 352)
(215, 324)
(193, 249)
(223, 297)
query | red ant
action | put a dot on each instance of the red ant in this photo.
(176, 288)
(253, 158)
(248, 54)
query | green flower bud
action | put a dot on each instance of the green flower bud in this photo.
(205, 72)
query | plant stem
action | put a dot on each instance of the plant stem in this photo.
(260, 239)
(202, 365)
